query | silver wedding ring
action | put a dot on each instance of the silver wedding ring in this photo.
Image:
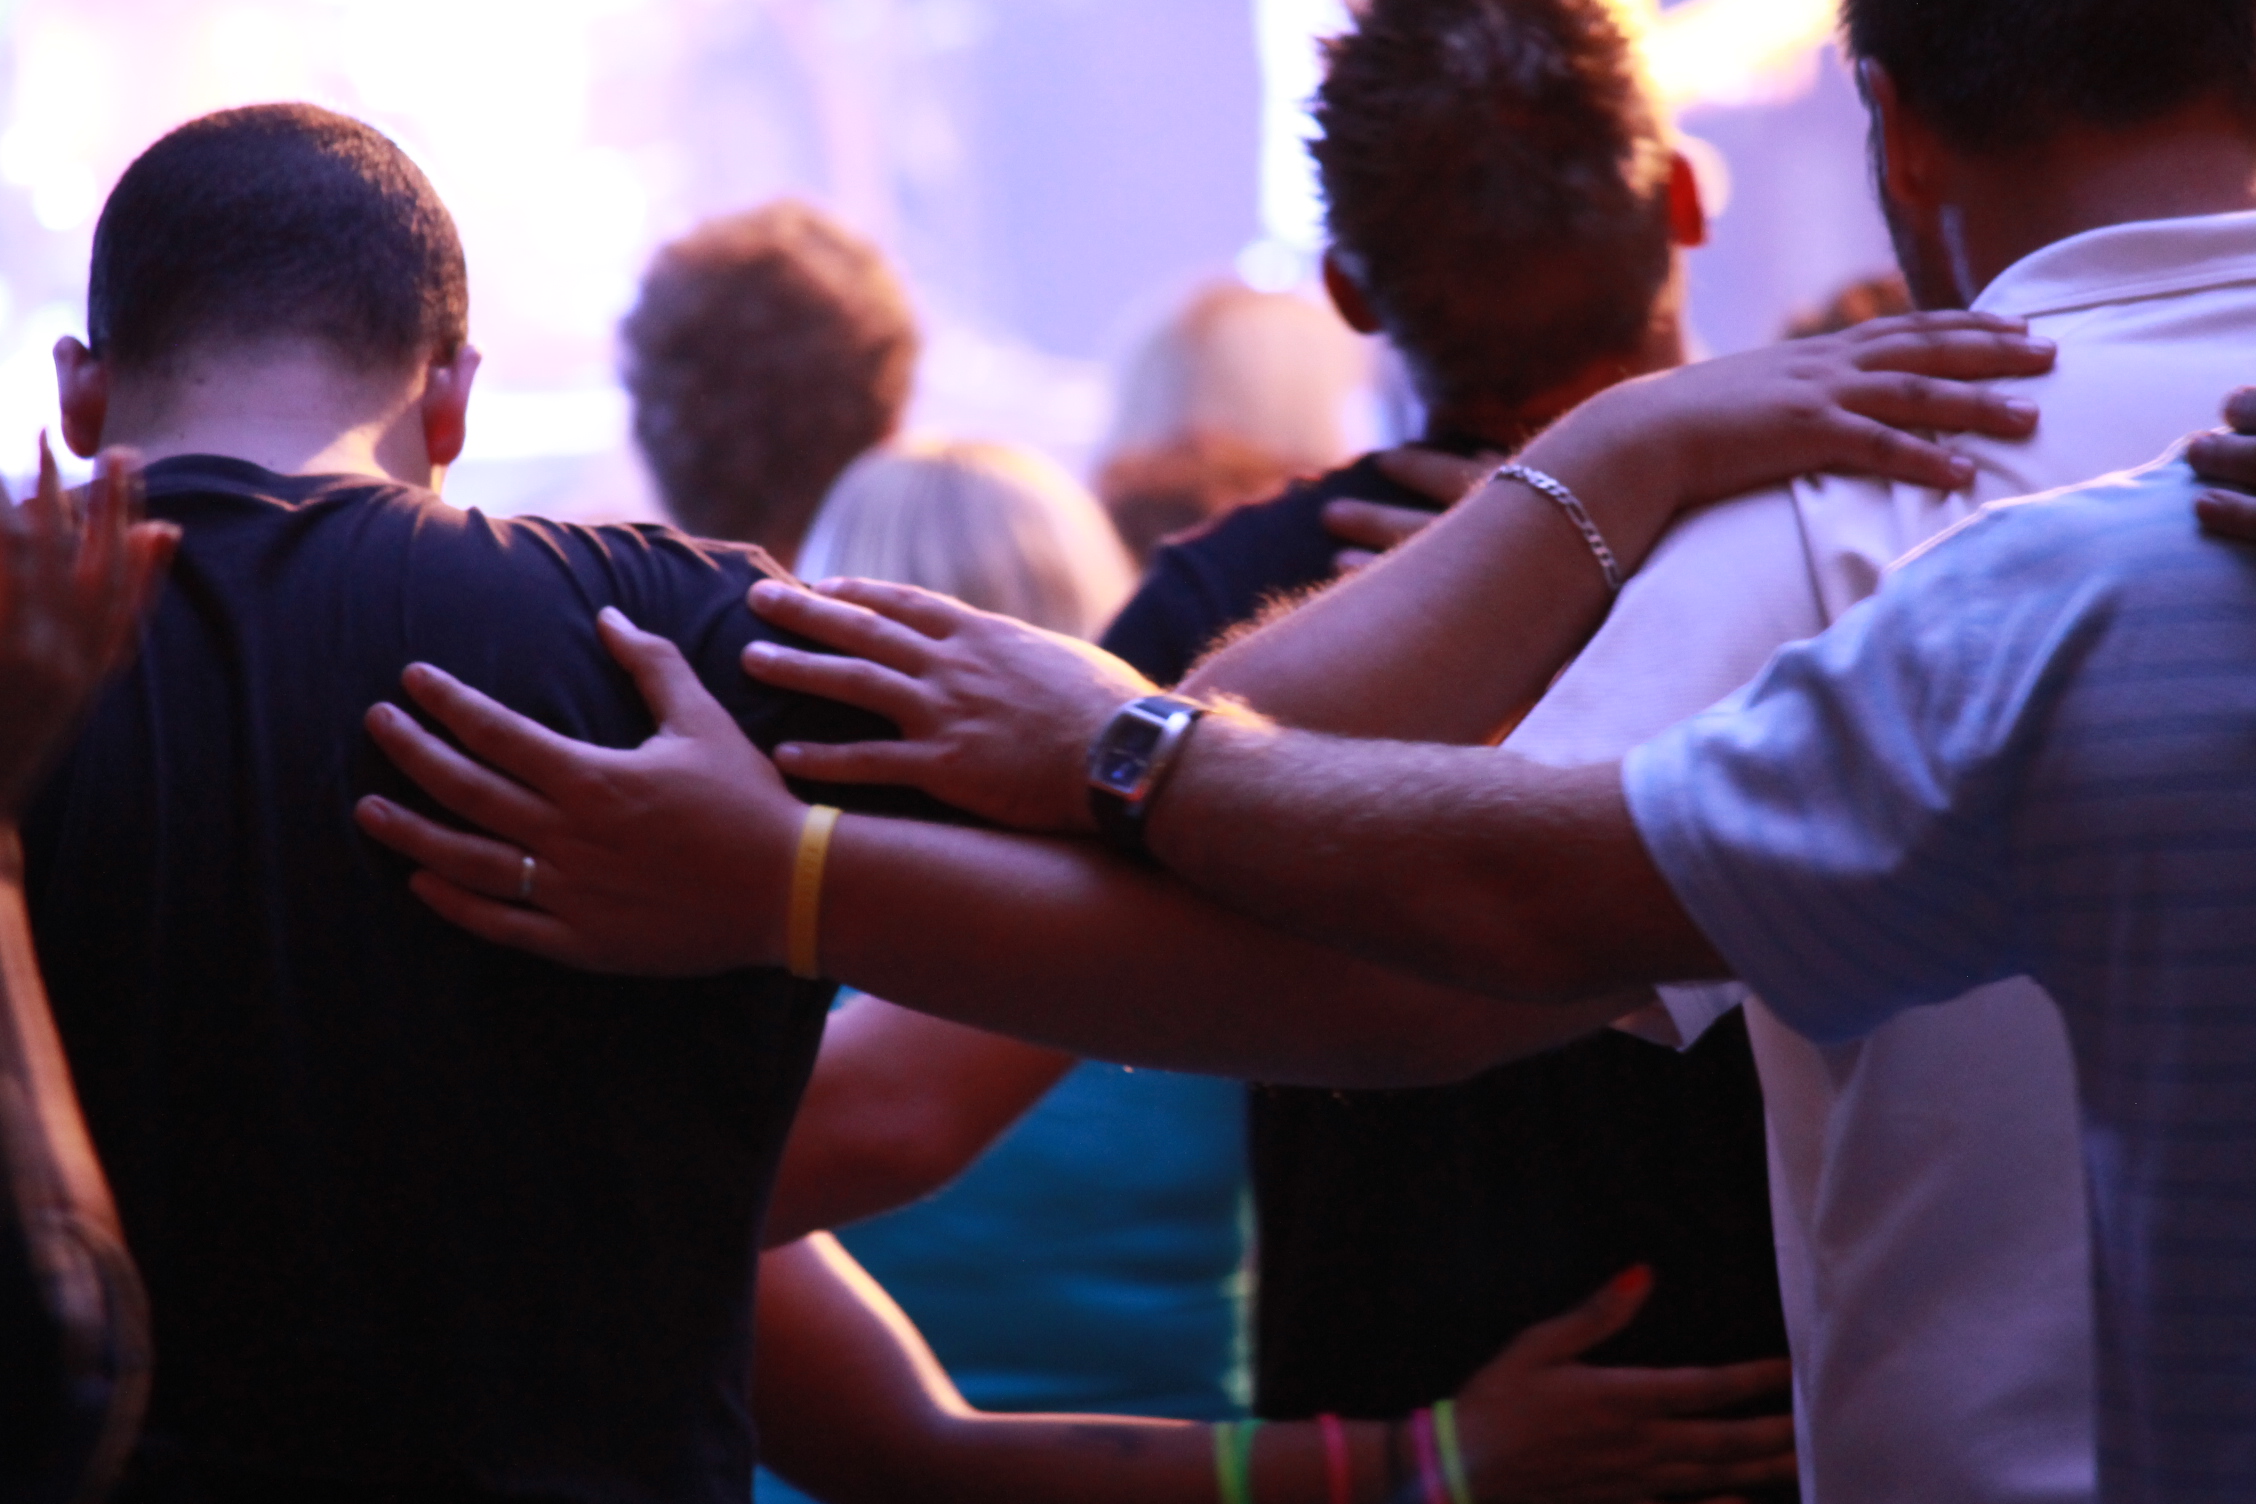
(525, 880)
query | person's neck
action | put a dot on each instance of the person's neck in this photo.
(2009, 205)
(293, 414)
(1506, 426)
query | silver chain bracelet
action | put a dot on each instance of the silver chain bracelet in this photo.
(1577, 514)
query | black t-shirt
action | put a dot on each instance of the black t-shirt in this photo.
(1405, 1236)
(416, 1212)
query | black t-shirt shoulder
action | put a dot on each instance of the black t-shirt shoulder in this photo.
(414, 1210)
(1203, 583)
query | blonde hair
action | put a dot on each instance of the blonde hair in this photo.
(998, 527)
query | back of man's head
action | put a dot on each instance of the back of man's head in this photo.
(768, 350)
(1990, 74)
(276, 223)
(1496, 174)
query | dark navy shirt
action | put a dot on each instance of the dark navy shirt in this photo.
(416, 1212)
(1405, 1236)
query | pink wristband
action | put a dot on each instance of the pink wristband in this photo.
(1339, 1470)
(1432, 1487)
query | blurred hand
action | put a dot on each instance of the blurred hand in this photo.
(669, 859)
(72, 593)
(1371, 528)
(1537, 1423)
(2228, 460)
(996, 716)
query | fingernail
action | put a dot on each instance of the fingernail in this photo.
(375, 807)
(1635, 1280)
(2038, 344)
(2024, 410)
(612, 616)
(788, 753)
(382, 714)
(759, 652)
(1961, 469)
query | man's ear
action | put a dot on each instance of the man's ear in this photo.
(1347, 296)
(446, 405)
(82, 383)
(1907, 160)
(1688, 217)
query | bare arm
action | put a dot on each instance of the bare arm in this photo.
(1452, 637)
(72, 591)
(1470, 867)
(671, 859)
(899, 1105)
(853, 1407)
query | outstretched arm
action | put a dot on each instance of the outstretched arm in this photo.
(672, 859)
(72, 590)
(1448, 639)
(1453, 636)
(852, 1406)
(900, 1104)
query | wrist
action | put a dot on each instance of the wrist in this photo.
(1130, 760)
(771, 875)
(1625, 453)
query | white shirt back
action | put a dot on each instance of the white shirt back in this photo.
(1926, 1182)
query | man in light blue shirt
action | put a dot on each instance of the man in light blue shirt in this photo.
(2031, 754)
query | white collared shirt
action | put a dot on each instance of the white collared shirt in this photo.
(1926, 1182)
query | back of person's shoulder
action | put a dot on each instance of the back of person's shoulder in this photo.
(1282, 542)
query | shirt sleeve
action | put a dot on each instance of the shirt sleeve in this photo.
(1839, 831)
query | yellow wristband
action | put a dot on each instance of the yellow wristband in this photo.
(803, 920)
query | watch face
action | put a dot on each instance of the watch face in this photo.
(1121, 763)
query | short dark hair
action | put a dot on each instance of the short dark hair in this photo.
(1997, 73)
(1496, 178)
(276, 221)
(768, 350)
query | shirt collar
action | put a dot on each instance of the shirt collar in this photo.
(2146, 259)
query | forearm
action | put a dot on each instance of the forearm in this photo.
(49, 1157)
(1454, 635)
(1056, 942)
(854, 1407)
(1472, 868)
(899, 1105)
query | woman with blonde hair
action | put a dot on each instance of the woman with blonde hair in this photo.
(996, 526)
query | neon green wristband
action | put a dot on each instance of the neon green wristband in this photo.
(1452, 1458)
(1233, 1460)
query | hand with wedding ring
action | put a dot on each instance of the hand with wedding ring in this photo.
(597, 857)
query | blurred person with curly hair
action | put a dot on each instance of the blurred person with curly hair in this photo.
(768, 349)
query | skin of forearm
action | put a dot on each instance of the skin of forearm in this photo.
(1453, 636)
(1119, 963)
(855, 1408)
(1472, 868)
(899, 1105)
